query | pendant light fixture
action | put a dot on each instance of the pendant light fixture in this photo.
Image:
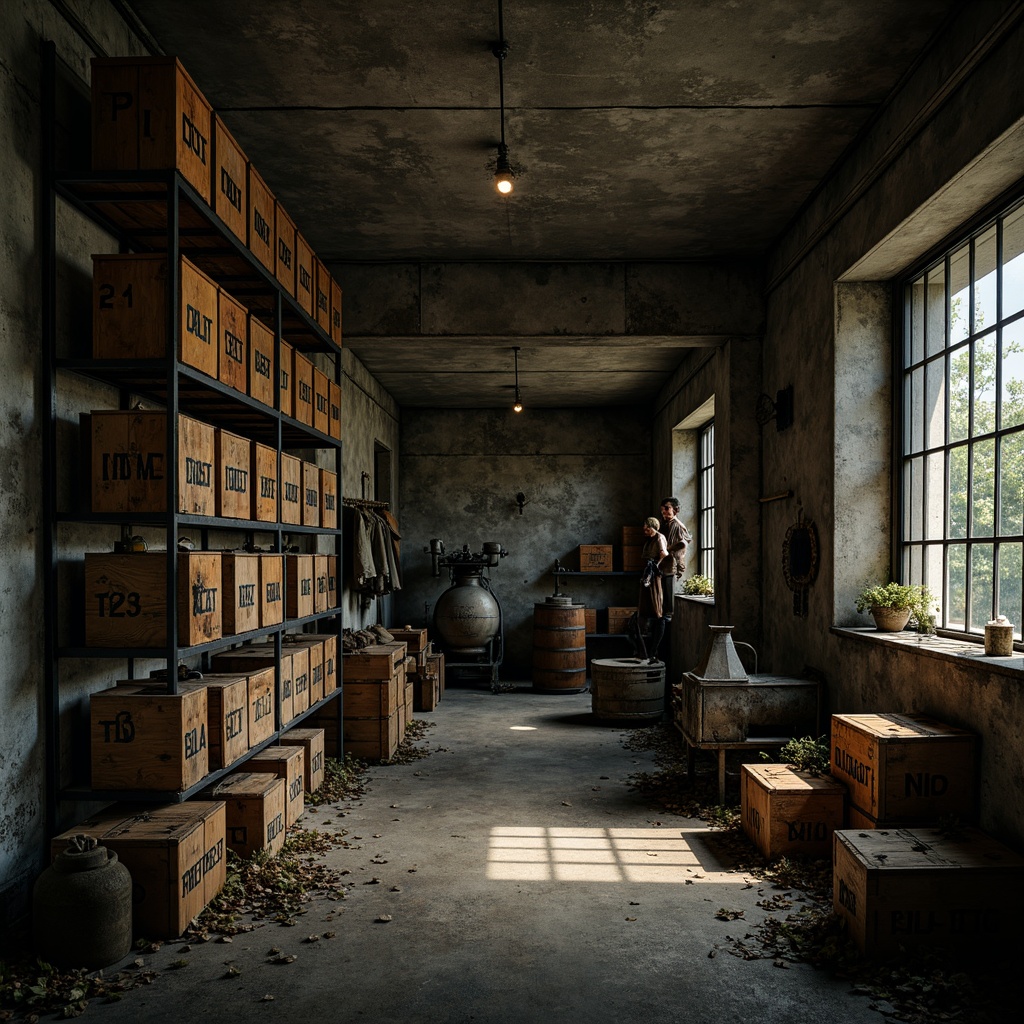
(518, 406)
(503, 172)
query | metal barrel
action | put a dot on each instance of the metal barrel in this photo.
(627, 688)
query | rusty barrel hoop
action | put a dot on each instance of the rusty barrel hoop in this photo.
(559, 647)
(627, 688)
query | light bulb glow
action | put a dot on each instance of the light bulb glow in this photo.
(503, 183)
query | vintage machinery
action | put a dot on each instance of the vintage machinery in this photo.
(467, 616)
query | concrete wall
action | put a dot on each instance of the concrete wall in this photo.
(585, 474)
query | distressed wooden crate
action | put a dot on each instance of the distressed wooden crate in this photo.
(334, 400)
(902, 889)
(272, 586)
(426, 691)
(322, 295)
(435, 663)
(285, 229)
(227, 715)
(300, 678)
(128, 462)
(790, 813)
(233, 354)
(329, 642)
(320, 596)
(285, 378)
(595, 557)
(257, 658)
(291, 490)
(314, 649)
(230, 185)
(241, 588)
(298, 586)
(632, 558)
(261, 361)
(618, 618)
(376, 661)
(302, 393)
(311, 741)
(332, 581)
(288, 763)
(590, 620)
(261, 691)
(305, 285)
(310, 494)
(328, 499)
(254, 811)
(142, 737)
(234, 475)
(261, 237)
(264, 483)
(175, 854)
(335, 312)
(372, 739)
(126, 599)
(905, 767)
(372, 698)
(130, 304)
(633, 536)
(321, 401)
(415, 639)
(148, 114)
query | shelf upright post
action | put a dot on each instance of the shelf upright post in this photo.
(173, 440)
(48, 217)
(278, 442)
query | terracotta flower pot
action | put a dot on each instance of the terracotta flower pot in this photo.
(890, 620)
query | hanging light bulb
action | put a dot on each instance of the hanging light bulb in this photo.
(518, 405)
(503, 172)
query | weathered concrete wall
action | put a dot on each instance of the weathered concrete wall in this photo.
(948, 144)
(585, 474)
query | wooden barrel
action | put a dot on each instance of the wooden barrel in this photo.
(627, 688)
(559, 647)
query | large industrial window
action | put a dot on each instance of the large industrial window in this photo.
(706, 498)
(962, 436)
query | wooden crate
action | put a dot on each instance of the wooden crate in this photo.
(230, 187)
(257, 658)
(175, 854)
(285, 228)
(335, 312)
(320, 598)
(590, 620)
(240, 573)
(330, 659)
(227, 715)
(271, 590)
(789, 813)
(300, 679)
(304, 283)
(372, 698)
(900, 889)
(261, 704)
(409, 702)
(285, 378)
(291, 490)
(328, 719)
(329, 499)
(261, 361)
(618, 619)
(435, 663)
(234, 475)
(332, 581)
(128, 462)
(233, 354)
(286, 763)
(415, 639)
(302, 374)
(632, 558)
(372, 739)
(253, 810)
(322, 295)
(427, 691)
(264, 483)
(334, 400)
(298, 586)
(261, 238)
(142, 737)
(321, 401)
(130, 304)
(376, 661)
(905, 768)
(595, 557)
(126, 599)
(314, 649)
(148, 114)
(312, 743)
(633, 536)
(310, 494)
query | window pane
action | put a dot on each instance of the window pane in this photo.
(1012, 394)
(983, 489)
(908, 500)
(935, 403)
(958, 492)
(917, 409)
(1011, 485)
(932, 578)
(956, 593)
(916, 502)
(985, 280)
(985, 384)
(914, 349)
(959, 394)
(935, 326)
(959, 294)
(935, 495)
(1010, 569)
(982, 564)
(1013, 263)
(916, 564)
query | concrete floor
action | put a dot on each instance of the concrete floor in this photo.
(524, 881)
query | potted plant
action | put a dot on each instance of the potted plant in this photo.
(893, 605)
(698, 586)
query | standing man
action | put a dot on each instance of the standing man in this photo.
(677, 539)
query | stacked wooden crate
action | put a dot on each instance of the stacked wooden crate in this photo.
(374, 697)
(421, 668)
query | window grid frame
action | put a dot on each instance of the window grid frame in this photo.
(706, 500)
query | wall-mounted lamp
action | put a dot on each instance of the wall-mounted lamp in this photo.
(503, 174)
(518, 405)
(521, 501)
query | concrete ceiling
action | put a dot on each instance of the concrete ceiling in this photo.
(685, 131)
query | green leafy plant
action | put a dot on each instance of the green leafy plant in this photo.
(699, 585)
(807, 754)
(918, 599)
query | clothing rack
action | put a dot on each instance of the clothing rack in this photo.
(365, 503)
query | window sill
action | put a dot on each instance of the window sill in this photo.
(957, 651)
(699, 598)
